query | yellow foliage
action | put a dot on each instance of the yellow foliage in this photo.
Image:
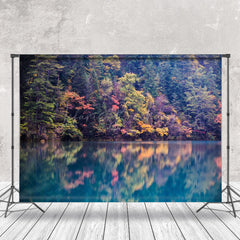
(145, 153)
(162, 148)
(178, 120)
(149, 100)
(133, 148)
(169, 162)
(131, 110)
(145, 127)
(173, 169)
(162, 164)
(149, 181)
(139, 186)
(144, 170)
(178, 159)
(133, 133)
(162, 131)
(186, 150)
(117, 156)
(136, 164)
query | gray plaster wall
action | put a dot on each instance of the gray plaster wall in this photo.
(118, 26)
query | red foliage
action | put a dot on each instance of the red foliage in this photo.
(218, 118)
(115, 108)
(123, 131)
(218, 162)
(114, 173)
(115, 177)
(77, 102)
(114, 99)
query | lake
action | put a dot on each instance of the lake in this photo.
(121, 171)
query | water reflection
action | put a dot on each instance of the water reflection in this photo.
(121, 171)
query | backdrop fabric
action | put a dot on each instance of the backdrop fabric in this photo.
(120, 128)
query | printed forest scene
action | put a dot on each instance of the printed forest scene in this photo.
(120, 127)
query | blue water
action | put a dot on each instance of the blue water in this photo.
(121, 171)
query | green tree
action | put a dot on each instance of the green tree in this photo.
(41, 90)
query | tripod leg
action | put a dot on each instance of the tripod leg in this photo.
(37, 206)
(235, 192)
(16, 189)
(202, 207)
(224, 189)
(234, 212)
(5, 192)
(32, 202)
(8, 203)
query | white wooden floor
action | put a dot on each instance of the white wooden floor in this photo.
(112, 221)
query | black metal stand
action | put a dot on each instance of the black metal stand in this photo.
(13, 188)
(228, 188)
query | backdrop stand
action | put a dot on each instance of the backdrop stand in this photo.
(228, 188)
(13, 188)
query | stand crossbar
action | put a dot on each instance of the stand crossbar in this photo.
(13, 188)
(228, 188)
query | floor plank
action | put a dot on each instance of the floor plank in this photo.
(94, 221)
(140, 227)
(121, 221)
(117, 222)
(47, 222)
(4, 186)
(16, 211)
(69, 225)
(222, 212)
(22, 226)
(229, 205)
(187, 222)
(236, 186)
(164, 226)
(216, 228)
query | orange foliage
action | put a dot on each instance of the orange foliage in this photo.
(218, 162)
(218, 118)
(79, 180)
(76, 102)
(162, 148)
(123, 149)
(145, 153)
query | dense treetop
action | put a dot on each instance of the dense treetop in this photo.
(110, 97)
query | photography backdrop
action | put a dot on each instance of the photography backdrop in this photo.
(120, 127)
(138, 26)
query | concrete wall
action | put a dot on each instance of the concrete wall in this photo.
(118, 26)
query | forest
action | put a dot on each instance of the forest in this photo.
(120, 97)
